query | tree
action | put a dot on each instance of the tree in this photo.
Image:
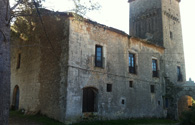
(4, 61)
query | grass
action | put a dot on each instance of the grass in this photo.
(129, 122)
(36, 118)
(48, 121)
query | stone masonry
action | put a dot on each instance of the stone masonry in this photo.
(61, 79)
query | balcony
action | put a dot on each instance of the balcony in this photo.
(155, 74)
(179, 78)
(132, 70)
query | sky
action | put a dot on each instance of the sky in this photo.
(115, 13)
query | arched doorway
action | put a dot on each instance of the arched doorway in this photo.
(90, 99)
(16, 96)
(184, 104)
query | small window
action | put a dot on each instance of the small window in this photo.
(179, 75)
(123, 101)
(98, 56)
(109, 87)
(154, 68)
(18, 61)
(158, 102)
(166, 103)
(171, 35)
(152, 88)
(131, 84)
(132, 68)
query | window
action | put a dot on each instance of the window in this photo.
(132, 63)
(166, 103)
(154, 68)
(179, 75)
(171, 35)
(98, 56)
(131, 84)
(123, 101)
(18, 61)
(158, 102)
(109, 87)
(152, 88)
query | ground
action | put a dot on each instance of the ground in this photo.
(17, 118)
(14, 120)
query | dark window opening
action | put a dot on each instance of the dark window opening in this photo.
(158, 102)
(166, 102)
(18, 61)
(179, 75)
(132, 68)
(152, 89)
(98, 56)
(89, 100)
(154, 68)
(109, 87)
(131, 84)
(171, 35)
(123, 101)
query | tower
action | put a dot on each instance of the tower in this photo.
(159, 22)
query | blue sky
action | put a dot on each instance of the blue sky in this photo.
(115, 13)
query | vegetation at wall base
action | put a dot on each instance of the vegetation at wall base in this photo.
(43, 120)
(130, 122)
(188, 117)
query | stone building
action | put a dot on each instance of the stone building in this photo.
(82, 69)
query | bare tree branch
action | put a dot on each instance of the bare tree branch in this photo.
(19, 1)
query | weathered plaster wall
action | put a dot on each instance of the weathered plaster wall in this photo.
(42, 76)
(53, 67)
(159, 22)
(146, 20)
(26, 77)
(82, 73)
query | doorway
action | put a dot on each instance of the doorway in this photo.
(16, 96)
(89, 99)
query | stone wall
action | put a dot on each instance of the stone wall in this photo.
(53, 68)
(146, 20)
(159, 22)
(27, 74)
(82, 73)
(173, 41)
(42, 75)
